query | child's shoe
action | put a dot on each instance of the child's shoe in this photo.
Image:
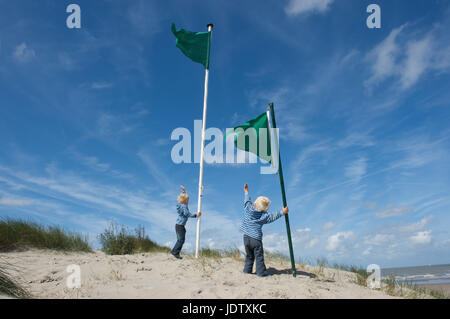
(177, 256)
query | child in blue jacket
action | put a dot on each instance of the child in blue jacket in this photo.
(183, 215)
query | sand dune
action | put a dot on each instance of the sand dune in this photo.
(159, 275)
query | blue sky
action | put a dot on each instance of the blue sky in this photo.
(87, 114)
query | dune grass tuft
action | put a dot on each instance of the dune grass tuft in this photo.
(234, 253)
(391, 286)
(9, 286)
(436, 293)
(410, 290)
(276, 256)
(210, 253)
(361, 273)
(118, 240)
(16, 234)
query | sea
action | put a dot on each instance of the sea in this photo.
(431, 274)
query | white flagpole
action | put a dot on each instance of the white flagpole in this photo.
(202, 152)
(273, 142)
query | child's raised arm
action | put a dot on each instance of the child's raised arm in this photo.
(247, 200)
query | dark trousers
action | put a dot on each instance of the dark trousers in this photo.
(181, 235)
(254, 251)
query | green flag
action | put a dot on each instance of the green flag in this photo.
(254, 136)
(195, 45)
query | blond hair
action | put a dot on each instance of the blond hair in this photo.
(183, 198)
(262, 203)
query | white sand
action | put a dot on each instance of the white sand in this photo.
(160, 275)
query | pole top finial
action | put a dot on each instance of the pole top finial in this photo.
(210, 25)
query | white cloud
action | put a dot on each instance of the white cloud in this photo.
(356, 139)
(313, 242)
(296, 7)
(418, 56)
(420, 150)
(302, 158)
(154, 169)
(416, 226)
(383, 57)
(406, 57)
(367, 251)
(101, 85)
(442, 60)
(279, 96)
(94, 163)
(23, 54)
(301, 238)
(357, 169)
(15, 201)
(110, 125)
(335, 241)
(379, 239)
(293, 131)
(423, 237)
(162, 141)
(392, 211)
(328, 226)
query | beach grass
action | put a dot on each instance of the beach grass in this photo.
(436, 293)
(361, 273)
(210, 253)
(119, 240)
(17, 234)
(276, 256)
(9, 286)
(234, 253)
(410, 290)
(388, 285)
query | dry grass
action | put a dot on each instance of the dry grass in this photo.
(16, 234)
(9, 286)
(118, 240)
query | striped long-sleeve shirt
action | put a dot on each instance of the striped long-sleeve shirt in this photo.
(253, 220)
(183, 214)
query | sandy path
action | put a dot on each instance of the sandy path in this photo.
(159, 275)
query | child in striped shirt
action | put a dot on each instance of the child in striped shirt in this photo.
(183, 215)
(255, 216)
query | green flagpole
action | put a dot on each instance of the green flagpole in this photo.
(283, 194)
